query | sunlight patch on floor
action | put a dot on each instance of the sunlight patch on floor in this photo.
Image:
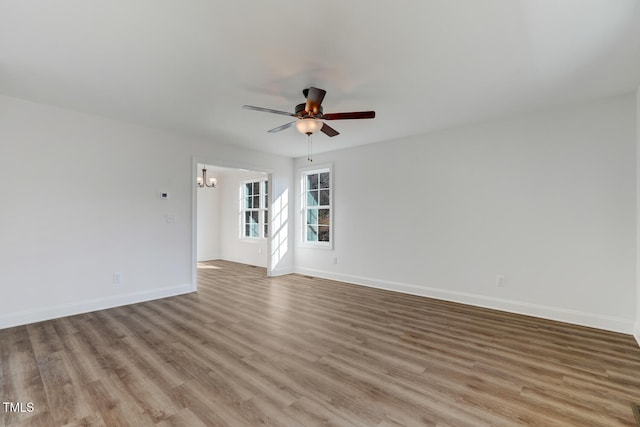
(208, 266)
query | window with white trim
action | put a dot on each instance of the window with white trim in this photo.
(316, 199)
(255, 212)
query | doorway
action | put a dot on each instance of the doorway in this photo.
(220, 216)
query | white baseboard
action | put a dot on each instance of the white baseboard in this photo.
(207, 258)
(244, 261)
(636, 333)
(32, 316)
(608, 323)
(279, 271)
(282, 271)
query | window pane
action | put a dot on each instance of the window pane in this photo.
(323, 216)
(312, 234)
(323, 233)
(317, 221)
(265, 221)
(312, 198)
(324, 197)
(312, 216)
(312, 182)
(255, 222)
(324, 180)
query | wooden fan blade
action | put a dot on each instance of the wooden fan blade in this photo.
(267, 110)
(328, 130)
(283, 127)
(350, 116)
(314, 99)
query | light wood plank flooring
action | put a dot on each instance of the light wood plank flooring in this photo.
(248, 350)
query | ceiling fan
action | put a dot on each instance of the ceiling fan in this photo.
(309, 116)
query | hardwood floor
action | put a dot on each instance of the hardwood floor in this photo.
(248, 350)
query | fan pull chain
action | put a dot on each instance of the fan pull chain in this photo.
(309, 157)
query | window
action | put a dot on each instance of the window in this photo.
(316, 200)
(255, 213)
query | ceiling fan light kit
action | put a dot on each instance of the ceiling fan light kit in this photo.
(309, 126)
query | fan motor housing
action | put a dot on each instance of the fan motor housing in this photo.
(301, 107)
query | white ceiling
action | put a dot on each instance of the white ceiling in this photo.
(422, 65)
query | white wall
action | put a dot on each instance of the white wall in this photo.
(637, 325)
(233, 247)
(208, 228)
(547, 199)
(80, 201)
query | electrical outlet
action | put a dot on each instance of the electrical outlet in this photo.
(117, 278)
(335, 259)
(500, 280)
